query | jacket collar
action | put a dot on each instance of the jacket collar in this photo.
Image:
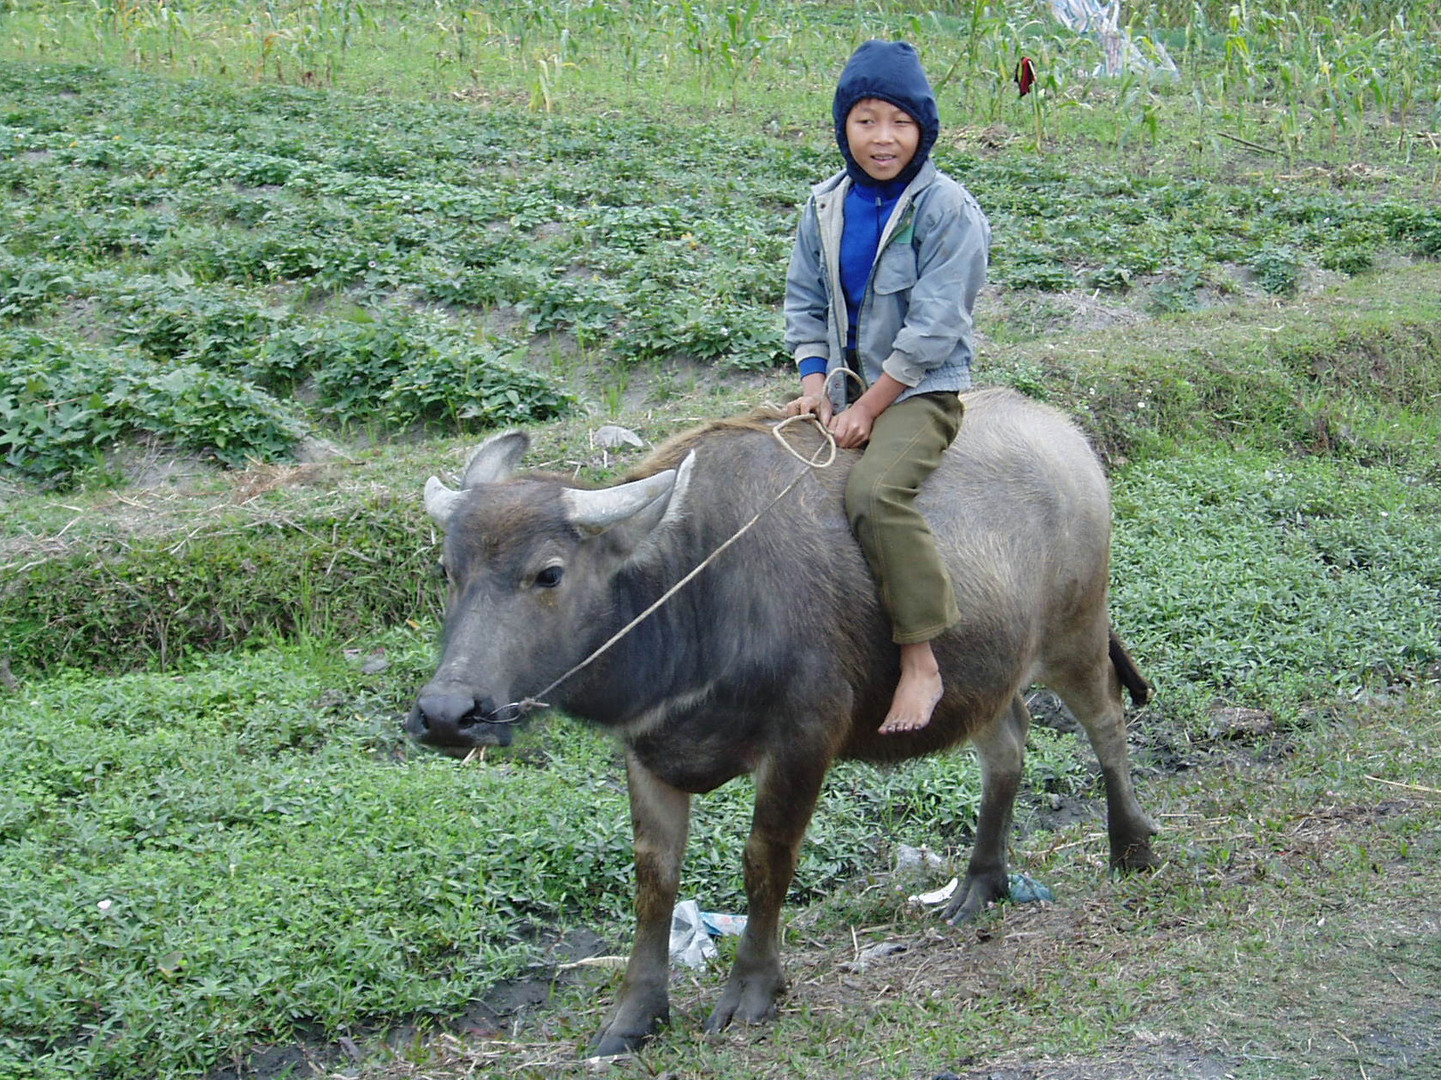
(841, 182)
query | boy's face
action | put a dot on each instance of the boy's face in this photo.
(882, 137)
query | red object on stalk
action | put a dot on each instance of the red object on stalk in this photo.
(1025, 75)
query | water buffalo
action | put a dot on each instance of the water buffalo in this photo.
(777, 659)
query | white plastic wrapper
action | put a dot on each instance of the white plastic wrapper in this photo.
(690, 943)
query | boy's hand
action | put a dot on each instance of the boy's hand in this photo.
(818, 404)
(852, 428)
(813, 400)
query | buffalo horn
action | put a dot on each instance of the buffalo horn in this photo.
(439, 501)
(600, 509)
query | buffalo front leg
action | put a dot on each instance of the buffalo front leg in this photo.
(1001, 746)
(660, 819)
(786, 793)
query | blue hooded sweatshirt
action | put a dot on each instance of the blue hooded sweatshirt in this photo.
(890, 71)
(905, 309)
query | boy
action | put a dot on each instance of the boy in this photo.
(889, 257)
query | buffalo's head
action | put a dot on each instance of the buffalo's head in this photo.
(530, 564)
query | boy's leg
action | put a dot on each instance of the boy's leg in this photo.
(906, 445)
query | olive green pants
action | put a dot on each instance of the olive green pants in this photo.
(906, 446)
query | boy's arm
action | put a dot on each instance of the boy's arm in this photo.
(852, 428)
(807, 310)
(951, 271)
(807, 305)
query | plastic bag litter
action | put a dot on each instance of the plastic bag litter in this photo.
(613, 437)
(935, 896)
(1027, 890)
(722, 925)
(1024, 890)
(1123, 52)
(917, 858)
(690, 942)
(691, 930)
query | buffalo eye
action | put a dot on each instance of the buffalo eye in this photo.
(549, 577)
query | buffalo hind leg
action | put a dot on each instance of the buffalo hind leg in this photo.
(786, 794)
(1001, 746)
(660, 819)
(1095, 699)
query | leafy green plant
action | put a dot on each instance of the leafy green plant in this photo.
(29, 286)
(63, 404)
(1277, 269)
(1173, 297)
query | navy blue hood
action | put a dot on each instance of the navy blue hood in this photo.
(891, 71)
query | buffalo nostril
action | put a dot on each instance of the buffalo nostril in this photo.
(446, 710)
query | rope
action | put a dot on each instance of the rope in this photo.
(514, 711)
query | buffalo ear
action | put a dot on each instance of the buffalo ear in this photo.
(493, 461)
(496, 458)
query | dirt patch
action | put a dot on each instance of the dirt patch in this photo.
(503, 1013)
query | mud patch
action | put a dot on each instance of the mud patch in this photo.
(504, 1009)
(1049, 711)
(1053, 813)
(507, 1005)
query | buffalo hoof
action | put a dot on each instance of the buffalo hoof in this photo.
(612, 1043)
(750, 1001)
(978, 893)
(1133, 858)
(642, 1009)
(610, 1046)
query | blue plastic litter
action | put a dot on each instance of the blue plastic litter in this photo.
(719, 925)
(1027, 890)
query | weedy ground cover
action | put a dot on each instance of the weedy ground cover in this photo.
(235, 270)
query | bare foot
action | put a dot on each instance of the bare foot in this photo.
(917, 693)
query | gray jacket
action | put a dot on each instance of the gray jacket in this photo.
(915, 318)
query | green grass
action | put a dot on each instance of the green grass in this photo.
(231, 268)
(197, 863)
